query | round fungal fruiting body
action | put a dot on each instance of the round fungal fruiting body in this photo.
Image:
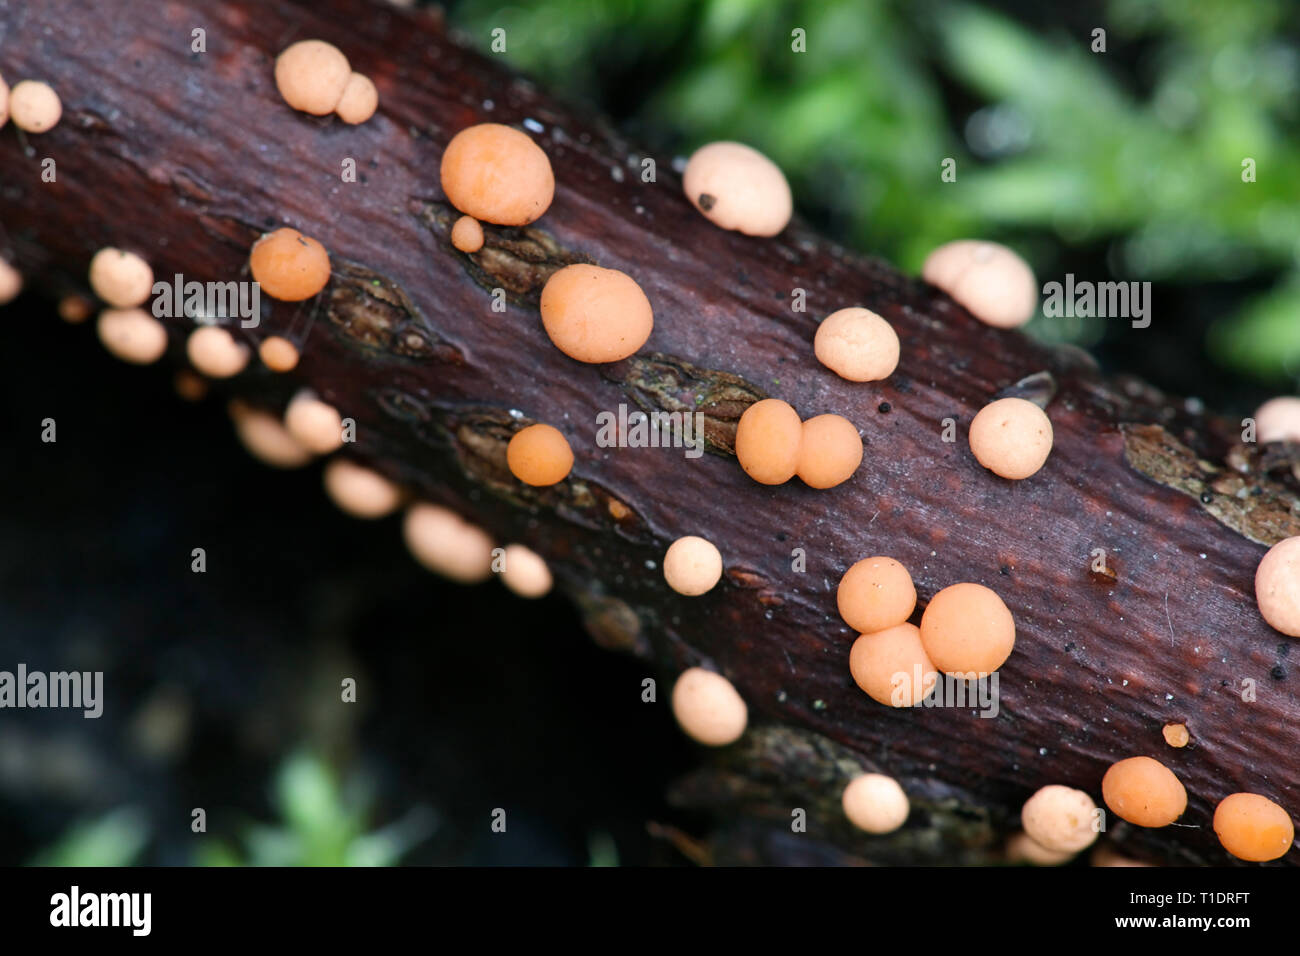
(189, 385)
(311, 75)
(443, 542)
(1060, 819)
(738, 188)
(539, 455)
(874, 594)
(966, 629)
(497, 174)
(830, 450)
(122, 279)
(768, 437)
(708, 708)
(289, 266)
(891, 666)
(1144, 792)
(1277, 586)
(1252, 827)
(278, 354)
(858, 345)
(992, 282)
(1021, 848)
(316, 425)
(133, 335)
(360, 491)
(875, 803)
(359, 101)
(525, 572)
(1176, 735)
(692, 566)
(214, 352)
(75, 309)
(1278, 419)
(467, 234)
(11, 282)
(1011, 437)
(595, 315)
(1107, 855)
(35, 107)
(265, 438)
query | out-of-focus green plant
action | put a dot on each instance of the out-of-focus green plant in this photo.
(115, 839)
(1058, 152)
(601, 849)
(322, 824)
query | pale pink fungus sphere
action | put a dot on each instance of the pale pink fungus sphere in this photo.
(360, 491)
(311, 75)
(445, 543)
(1021, 848)
(692, 565)
(708, 708)
(133, 335)
(738, 188)
(467, 234)
(1278, 419)
(992, 282)
(11, 282)
(497, 174)
(595, 315)
(858, 345)
(316, 425)
(120, 278)
(830, 450)
(1011, 437)
(278, 354)
(265, 438)
(214, 352)
(34, 106)
(1060, 819)
(875, 803)
(769, 437)
(1277, 586)
(525, 572)
(359, 101)
(891, 666)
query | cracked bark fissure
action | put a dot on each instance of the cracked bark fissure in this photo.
(186, 158)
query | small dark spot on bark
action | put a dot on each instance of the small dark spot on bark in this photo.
(1206, 497)
(781, 536)
(1069, 647)
(1278, 672)
(706, 202)
(1004, 570)
(1283, 649)
(885, 408)
(902, 385)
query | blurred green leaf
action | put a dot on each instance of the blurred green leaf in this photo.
(115, 839)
